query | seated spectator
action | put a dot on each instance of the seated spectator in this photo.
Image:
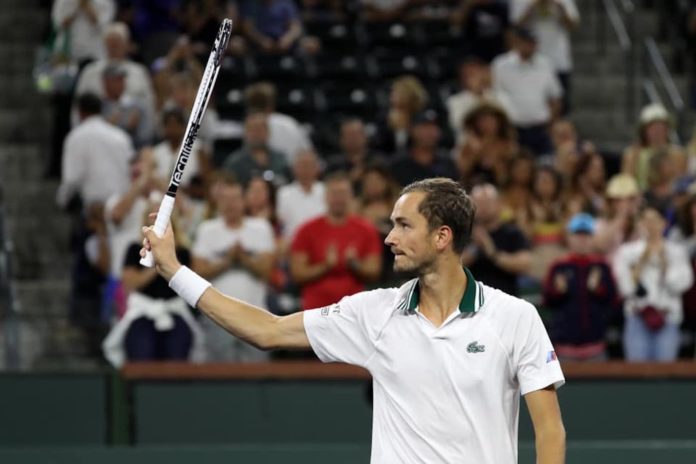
(123, 110)
(97, 155)
(335, 255)
(271, 26)
(81, 24)
(179, 59)
(235, 252)
(166, 152)
(586, 187)
(567, 147)
(660, 193)
(552, 21)
(354, 153)
(653, 135)
(260, 201)
(138, 83)
(286, 134)
(256, 157)
(545, 226)
(488, 148)
(485, 23)
(158, 324)
(652, 274)
(499, 251)
(526, 80)
(580, 291)
(424, 158)
(407, 98)
(201, 22)
(618, 225)
(517, 191)
(303, 199)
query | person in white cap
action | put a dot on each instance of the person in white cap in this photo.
(449, 355)
(653, 135)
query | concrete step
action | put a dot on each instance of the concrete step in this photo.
(43, 298)
(23, 161)
(24, 124)
(22, 24)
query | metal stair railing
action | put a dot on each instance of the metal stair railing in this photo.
(8, 302)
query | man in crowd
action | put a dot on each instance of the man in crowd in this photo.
(123, 110)
(354, 152)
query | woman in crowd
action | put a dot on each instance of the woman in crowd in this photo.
(618, 223)
(407, 98)
(587, 184)
(517, 191)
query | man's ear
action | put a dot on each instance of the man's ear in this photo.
(443, 237)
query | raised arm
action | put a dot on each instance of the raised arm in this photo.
(250, 323)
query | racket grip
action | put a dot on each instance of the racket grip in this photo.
(163, 215)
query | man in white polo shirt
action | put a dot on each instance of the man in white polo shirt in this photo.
(449, 355)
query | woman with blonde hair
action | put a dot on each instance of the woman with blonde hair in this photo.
(407, 98)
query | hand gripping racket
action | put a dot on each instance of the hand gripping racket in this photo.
(205, 90)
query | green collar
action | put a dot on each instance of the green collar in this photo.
(471, 302)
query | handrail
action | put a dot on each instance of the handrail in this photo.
(7, 300)
(617, 24)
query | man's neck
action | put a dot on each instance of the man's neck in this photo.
(337, 220)
(441, 290)
(306, 185)
(234, 223)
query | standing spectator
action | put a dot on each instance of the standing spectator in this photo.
(586, 187)
(138, 84)
(286, 134)
(567, 147)
(653, 135)
(652, 274)
(123, 110)
(424, 158)
(485, 23)
(499, 252)
(236, 253)
(96, 159)
(81, 24)
(256, 157)
(528, 82)
(551, 21)
(166, 152)
(407, 98)
(303, 199)
(618, 225)
(354, 152)
(271, 26)
(488, 147)
(580, 291)
(335, 255)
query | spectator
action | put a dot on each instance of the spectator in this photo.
(138, 84)
(271, 26)
(619, 223)
(256, 157)
(335, 255)
(260, 201)
(123, 110)
(80, 25)
(652, 274)
(166, 152)
(158, 325)
(183, 88)
(354, 152)
(517, 191)
(685, 232)
(567, 147)
(580, 291)
(96, 159)
(499, 252)
(286, 134)
(155, 25)
(661, 193)
(236, 253)
(407, 98)
(385, 10)
(485, 23)
(179, 59)
(653, 135)
(551, 21)
(201, 21)
(424, 158)
(488, 148)
(586, 187)
(527, 81)
(303, 199)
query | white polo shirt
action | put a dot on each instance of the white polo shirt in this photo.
(527, 86)
(441, 394)
(295, 206)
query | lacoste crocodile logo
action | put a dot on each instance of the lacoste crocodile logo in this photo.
(474, 347)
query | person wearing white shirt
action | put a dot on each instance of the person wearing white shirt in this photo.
(304, 198)
(286, 135)
(530, 86)
(96, 157)
(551, 21)
(82, 23)
(167, 151)
(652, 274)
(449, 356)
(236, 252)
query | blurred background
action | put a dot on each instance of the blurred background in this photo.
(571, 122)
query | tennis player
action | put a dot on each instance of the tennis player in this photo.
(449, 356)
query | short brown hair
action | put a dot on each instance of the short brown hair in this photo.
(260, 97)
(446, 203)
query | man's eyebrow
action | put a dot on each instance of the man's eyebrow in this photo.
(397, 220)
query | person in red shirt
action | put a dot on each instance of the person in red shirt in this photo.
(334, 255)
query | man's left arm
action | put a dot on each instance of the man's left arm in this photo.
(548, 426)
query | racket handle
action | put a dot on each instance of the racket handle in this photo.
(163, 215)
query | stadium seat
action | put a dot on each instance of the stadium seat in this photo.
(395, 36)
(353, 99)
(386, 64)
(337, 67)
(439, 33)
(335, 36)
(230, 104)
(273, 68)
(234, 74)
(296, 101)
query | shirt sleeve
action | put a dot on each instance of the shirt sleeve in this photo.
(534, 358)
(341, 332)
(554, 89)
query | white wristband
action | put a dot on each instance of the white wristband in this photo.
(188, 285)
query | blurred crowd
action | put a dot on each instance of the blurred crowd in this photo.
(289, 211)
